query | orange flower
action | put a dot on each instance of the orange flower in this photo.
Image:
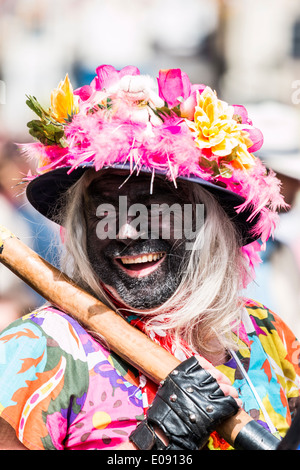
(63, 102)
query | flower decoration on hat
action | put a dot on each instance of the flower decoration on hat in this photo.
(216, 127)
(64, 104)
(169, 125)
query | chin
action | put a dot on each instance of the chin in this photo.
(142, 298)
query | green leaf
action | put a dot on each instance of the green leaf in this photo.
(210, 165)
(204, 162)
(46, 129)
(162, 113)
(237, 118)
(46, 133)
(35, 106)
(233, 155)
(165, 112)
(176, 110)
(109, 103)
(225, 171)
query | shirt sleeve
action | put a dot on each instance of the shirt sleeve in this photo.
(40, 393)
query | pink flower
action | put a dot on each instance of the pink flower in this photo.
(84, 92)
(255, 135)
(107, 75)
(173, 84)
(187, 107)
(242, 112)
(175, 88)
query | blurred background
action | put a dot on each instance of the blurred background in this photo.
(247, 50)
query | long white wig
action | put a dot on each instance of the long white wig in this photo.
(206, 306)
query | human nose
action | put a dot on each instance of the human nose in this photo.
(132, 220)
(127, 231)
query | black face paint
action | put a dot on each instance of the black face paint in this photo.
(145, 292)
(117, 261)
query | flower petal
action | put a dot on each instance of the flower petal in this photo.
(172, 84)
(197, 87)
(63, 101)
(187, 107)
(257, 138)
(107, 75)
(84, 92)
(186, 85)
(129, 70)
(242, 112)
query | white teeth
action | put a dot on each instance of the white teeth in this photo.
(143, 259)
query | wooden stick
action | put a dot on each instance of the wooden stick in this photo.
(126, 341)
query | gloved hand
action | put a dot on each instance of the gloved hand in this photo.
(188, 406)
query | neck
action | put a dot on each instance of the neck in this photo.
(216, 359)
(119, 304)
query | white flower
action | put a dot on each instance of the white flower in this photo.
(137, 88)
(135, 96)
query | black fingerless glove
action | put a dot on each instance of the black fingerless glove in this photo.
(188, 406)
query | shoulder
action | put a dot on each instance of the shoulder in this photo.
(270, 321)
(277, 339)
(57, 329)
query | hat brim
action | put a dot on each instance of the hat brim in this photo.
(45, 194)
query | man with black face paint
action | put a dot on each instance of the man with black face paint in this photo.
(161, 204)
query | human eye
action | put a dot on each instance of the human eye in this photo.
(106, 210)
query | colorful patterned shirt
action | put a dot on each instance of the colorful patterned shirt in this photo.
(61, 389)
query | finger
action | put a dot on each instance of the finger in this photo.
(229, 390)
(218, 375)
(223, 381)
(204, 362)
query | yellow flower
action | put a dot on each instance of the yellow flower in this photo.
(63, 102)
(215, 128)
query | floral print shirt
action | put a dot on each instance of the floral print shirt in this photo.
(61, 389)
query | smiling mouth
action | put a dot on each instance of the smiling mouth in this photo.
(141, 265)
